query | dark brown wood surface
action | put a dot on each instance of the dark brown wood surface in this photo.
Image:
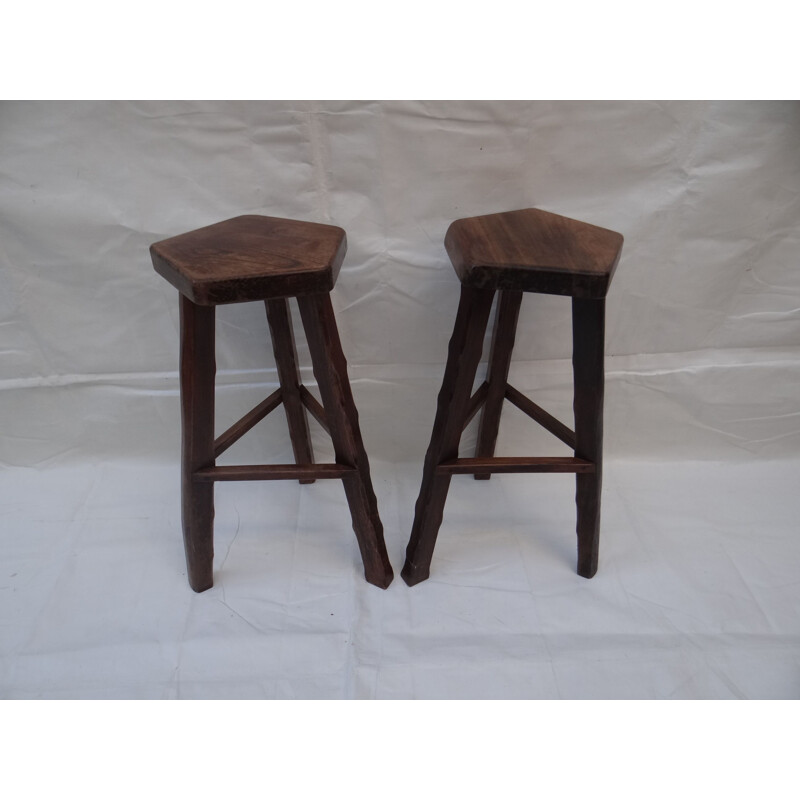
(197, 372)
(283, 346)
(531, 250)
(251, 258)
(476, 403)
(505, 329)
(464, 353)
(547, 421)
(315, 408)
(588, 338)
(330, 370)
(248, 421)
(512, 464)
(304, 473)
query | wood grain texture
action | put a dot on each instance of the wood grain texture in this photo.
(330, 370)
(251, 258)
(283, 346)
(505, 329)
(588, 337)
(197, 372)
(464, 353)
(531, 250)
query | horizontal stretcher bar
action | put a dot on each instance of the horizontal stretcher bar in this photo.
(273, 472)
(470, 466)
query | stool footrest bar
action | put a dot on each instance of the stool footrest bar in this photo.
(273, 472)
(476, 402)
(469, 466)
(249, 420)
(547, 421)
(314, 408)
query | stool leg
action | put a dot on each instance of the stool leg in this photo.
(464, 354)
(330, 370)
(588, 335)
(505, 329)
(198, 368)
(280, 327)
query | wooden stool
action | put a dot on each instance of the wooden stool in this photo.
(512, 253)
(264, 258)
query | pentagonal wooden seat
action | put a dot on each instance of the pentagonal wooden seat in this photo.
(531, 250)
(252, 258)
(272, 260)
(507, 254)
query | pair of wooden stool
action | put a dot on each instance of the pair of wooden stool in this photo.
(268, 259)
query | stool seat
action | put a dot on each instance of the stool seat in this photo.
(533, 251)
(251, 258)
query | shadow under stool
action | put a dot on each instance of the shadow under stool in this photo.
(507, 254)
(271, 260)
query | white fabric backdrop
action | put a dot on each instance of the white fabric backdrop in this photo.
(702, 440)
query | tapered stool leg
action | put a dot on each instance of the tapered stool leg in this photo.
(330, 370)
(280, 327)
(505, 329)
(197, 368)
(588, 335)
(464, 354)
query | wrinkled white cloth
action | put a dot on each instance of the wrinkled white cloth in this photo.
(697, 594)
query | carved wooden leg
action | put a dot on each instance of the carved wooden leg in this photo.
(197, 369)
(464, 354)
(588, 335)
(280, 327)
(505, 329)
(330, 370)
